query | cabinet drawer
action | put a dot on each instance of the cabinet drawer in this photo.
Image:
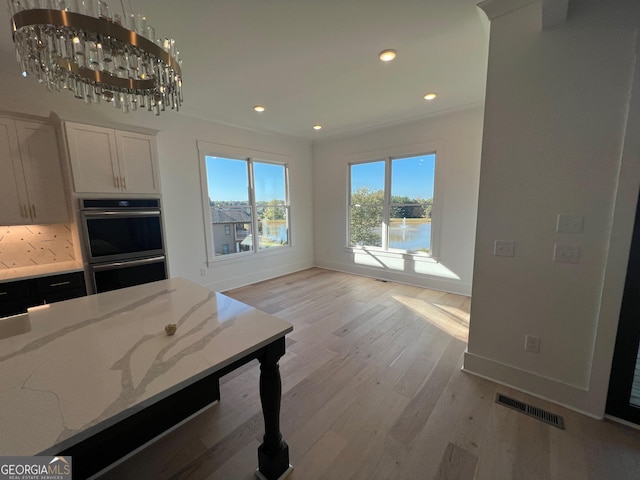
(13, 307)
(10, 291)
(59, 296)
(59, 283)
(17, 296)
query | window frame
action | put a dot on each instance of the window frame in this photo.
(388, 155)
(207, 149)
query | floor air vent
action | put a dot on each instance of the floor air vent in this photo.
(543, 415)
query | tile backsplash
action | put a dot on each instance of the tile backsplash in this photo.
(29, 245)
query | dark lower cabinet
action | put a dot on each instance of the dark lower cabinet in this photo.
(18, 295)
(15, 297)
(56, 288)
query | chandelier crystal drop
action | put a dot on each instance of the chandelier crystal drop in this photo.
(76, 45)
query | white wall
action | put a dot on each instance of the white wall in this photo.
(458, 138)
(554, 142)
(180, 177)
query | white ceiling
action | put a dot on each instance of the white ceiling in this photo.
(317, 61)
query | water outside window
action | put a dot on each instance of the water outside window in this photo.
(410, 200)
(271, 204)
(233, 209)
(412, 181)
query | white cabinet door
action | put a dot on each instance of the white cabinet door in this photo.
(137, 156)
(13, 191)
(43, 172)
(94, 159)
(32, 188)
(104, 160)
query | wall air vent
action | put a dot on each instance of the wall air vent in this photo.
(543, 415)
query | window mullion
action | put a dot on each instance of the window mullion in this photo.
(386, 208)
(252, 203)
(287, 207)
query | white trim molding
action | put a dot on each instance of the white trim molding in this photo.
(498, 8)
(554, 12)
(574, 397)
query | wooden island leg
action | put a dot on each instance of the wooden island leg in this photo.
(273, 454)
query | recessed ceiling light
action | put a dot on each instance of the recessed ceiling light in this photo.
(387, 55)
(430, 96)
(259, 108)
(317, 127)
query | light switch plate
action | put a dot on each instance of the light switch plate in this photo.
(568, 223)
(504, 248)
(532, 343)
(566, 253)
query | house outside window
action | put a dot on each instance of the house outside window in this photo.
(246, 196)
(391, 204)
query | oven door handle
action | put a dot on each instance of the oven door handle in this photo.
(113, 213)
(128, 263)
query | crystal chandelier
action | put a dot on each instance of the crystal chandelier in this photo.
(75, 45)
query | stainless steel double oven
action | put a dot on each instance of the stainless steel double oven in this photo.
(123, 242)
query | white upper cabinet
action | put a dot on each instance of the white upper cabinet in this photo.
(138, 162)
(13, 191)
(104, 160)
(94, 158)
(32, 188)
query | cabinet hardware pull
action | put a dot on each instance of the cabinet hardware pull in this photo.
(33, 210)
(59, 284)
(24, 210)
(116, 182)
(124, 183)
(4, 293)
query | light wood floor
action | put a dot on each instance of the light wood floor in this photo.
(372, 389)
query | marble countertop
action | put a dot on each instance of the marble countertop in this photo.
(92, 360)
(23, 273)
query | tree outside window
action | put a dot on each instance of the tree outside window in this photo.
(391, 203)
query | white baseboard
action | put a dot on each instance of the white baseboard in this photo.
(622, 422)
(425, 281)
(229, 283)
(568, 396)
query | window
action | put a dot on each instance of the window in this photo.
(247, 196)
(391, 203)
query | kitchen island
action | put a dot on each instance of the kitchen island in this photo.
(96, 377)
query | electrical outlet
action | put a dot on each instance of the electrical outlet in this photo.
(504, 248)
(203, 272)
(566, 253)
(532, 343)
(569, 223)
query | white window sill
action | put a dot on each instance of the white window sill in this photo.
(397, 254)
(248, 256)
